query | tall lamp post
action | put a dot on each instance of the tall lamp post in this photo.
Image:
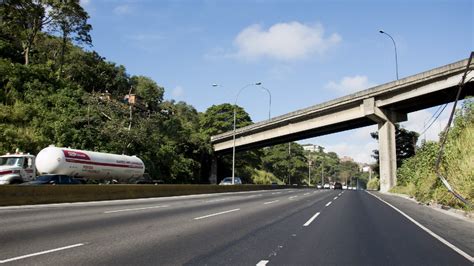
(235, 118)
(394, 45)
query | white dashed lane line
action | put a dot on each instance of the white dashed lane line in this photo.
(262, 263)
(137, 209)
(311, 219)
(215, 214)
(329, 203)
(293, 197)
(270, 202)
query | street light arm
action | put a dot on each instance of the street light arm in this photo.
(395, 46)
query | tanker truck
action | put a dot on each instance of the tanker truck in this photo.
(19, 167)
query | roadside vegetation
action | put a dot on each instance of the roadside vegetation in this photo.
(417, 177)
(55, 90)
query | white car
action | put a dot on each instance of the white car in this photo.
(319, 186)
(228, 181)
(326, 186)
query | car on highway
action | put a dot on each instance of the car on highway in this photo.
(53, 180)
(326, 186)
(319, 186)
(337, 185)
(228, 181)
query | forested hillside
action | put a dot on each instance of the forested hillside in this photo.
(54, 89)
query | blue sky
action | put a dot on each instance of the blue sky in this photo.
(304, 52)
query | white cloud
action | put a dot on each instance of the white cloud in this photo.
(284, 41)
(348, 85)
(177, 92)
(122, 10)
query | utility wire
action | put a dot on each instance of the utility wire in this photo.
(437, 116)
(445, 136)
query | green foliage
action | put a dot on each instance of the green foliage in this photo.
(262, 177)
(286, 162)
(373, 184)
(417, 176)
(405, 141)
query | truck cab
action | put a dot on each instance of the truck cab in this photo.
(17, 168)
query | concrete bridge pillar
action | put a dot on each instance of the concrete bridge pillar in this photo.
(386, 120)
(213, 174)
(387, 155)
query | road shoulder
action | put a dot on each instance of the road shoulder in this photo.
(456, 230)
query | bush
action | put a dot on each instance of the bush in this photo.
(417, 176)
(373, 184)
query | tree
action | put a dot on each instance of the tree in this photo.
(219, 119)
(148, 90)
(285, 165)
(69, 19)
(23, 19)
(405, 142)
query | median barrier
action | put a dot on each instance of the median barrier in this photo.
(12, 195)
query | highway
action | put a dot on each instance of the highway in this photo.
(277, 227)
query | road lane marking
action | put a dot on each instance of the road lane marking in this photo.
(335, 198)
(292, 197)
(442, 240)
(41, 253)
(274, 193)
(216, 200)
(306, 194)
(215, 214)
(138, 209)
(270, 202)
(329, 203)
(262, 263)
(311, 219)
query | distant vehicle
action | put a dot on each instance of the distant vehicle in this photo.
(344, 187)
(53, 180)
(228, 181)
(326, 186)
(319, 186)
(337, 185)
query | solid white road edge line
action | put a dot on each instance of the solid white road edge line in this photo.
(311, 219)
(270, 202)
(138, 209)
(215, 214)
(329, 203)
(442, 240)
(262, 263)
(41, 253)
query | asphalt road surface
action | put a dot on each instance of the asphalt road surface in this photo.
(278, 227)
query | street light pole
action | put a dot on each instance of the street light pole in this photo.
(235, 118)
(394, 45)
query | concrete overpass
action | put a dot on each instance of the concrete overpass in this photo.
(383, 105)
